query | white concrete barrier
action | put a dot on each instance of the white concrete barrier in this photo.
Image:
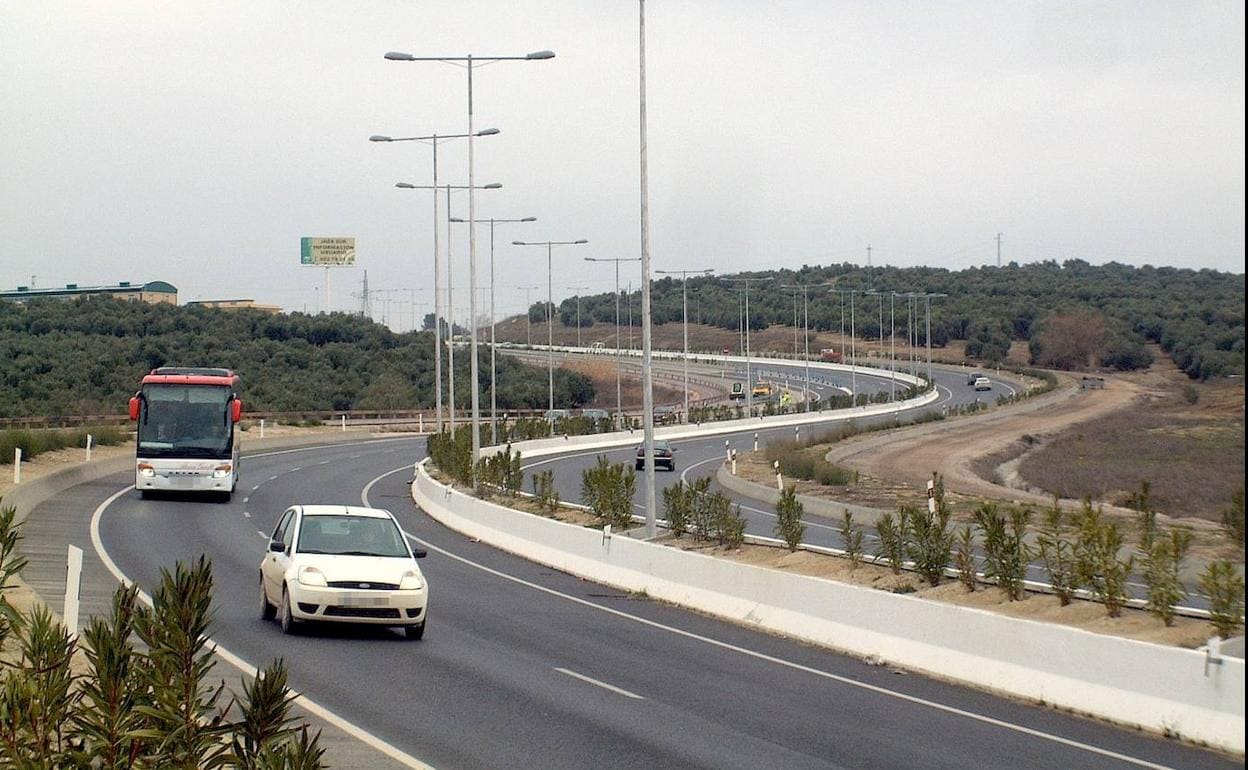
(1158, 688)
(541, 447)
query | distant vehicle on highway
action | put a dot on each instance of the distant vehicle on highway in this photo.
(666, 415)
(737, 393)
(596, 414)
(831, 355)
(727, 351)
(983, 383)
(663, 456)
(762, 390)
(970, 378)
(186, 419)
(557, 414)
(597, 347)
(344, 564)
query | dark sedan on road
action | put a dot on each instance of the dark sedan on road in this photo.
(663, 456)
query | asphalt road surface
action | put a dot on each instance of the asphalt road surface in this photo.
(522, 665)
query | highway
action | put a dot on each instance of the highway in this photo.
(522, 665)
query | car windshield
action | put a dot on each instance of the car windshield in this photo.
(351, 535)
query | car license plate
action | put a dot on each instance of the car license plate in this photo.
(364, 600)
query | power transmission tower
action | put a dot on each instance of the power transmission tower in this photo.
(366, 306)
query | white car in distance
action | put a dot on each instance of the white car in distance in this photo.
(983, 383)
(343, 564)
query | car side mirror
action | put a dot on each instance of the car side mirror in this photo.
(419, 553)
(277, 546)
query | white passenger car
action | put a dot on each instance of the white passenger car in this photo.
(342, 564)
(983, 383)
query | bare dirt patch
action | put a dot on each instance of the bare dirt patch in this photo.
(1192, 454)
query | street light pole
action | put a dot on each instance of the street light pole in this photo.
(619, 399)
(749, 381)
(450, 310)
(493, 323)
(432, 139)
(528, 322)
(550, 315)
(684, 300)
(468, 62)
(578, 290)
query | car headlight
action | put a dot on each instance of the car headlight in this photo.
(411, 581)
(311, 576)
(146, 471)
(221, 471)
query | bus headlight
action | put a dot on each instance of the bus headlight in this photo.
(146, 471)
(221, 471)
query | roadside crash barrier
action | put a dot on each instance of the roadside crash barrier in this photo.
(1162, 689)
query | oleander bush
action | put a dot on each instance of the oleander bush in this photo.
(146, 698)
(34, 442)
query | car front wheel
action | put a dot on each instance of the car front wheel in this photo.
(415, 632)
(267, 610)
(288, 620)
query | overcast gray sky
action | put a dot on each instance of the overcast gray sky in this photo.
(195, 142)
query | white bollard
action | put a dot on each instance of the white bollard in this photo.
(779, 478)
(73, 581)
(727, 451)
(420, 422)
(755, 442)
(17, 465)
(344, 423)
(734, 463)
(261, 427)
(90, 438)
(797, 433)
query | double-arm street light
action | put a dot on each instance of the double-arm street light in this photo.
(853, 368)
(892, 376)
(493, 367)
(684, 299)
(619, 399)
(433, 140)
(468, 62)
(550, 314)
(450, 274)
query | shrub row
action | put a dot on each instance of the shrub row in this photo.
(35, 442)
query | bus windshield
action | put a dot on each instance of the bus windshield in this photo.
(185, 421)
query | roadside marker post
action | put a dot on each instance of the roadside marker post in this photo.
(89, 440)
(344, 423)
(73, 584)
(261, 427)
(17, 465)
(755, 442)
(779, 478)
(931, 496)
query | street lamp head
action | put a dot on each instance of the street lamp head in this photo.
(379, 138)
(529, 219)
(581, 240)
(519, 243)
(492, 186)
(457, 219)
(487, 132)
(399, 56)
(539, 55)
(405, 185)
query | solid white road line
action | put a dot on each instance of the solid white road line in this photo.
(770, 658)
(596, 683)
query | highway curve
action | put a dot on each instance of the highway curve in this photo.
(522, 665)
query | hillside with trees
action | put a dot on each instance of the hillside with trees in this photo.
(1073, 315)
(86, 357)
